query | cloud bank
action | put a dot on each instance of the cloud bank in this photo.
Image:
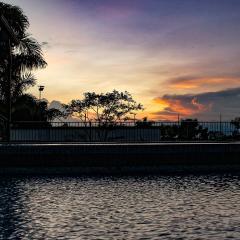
(204, 106)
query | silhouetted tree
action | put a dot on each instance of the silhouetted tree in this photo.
(105, 109)
(28, 108)
(26, 55)
(236, 123)
(169, 132)
(30, 112)
(190, 129)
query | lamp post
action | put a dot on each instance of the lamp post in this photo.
(8, 40)
(220, 120)
(40, 89)
(134, 118)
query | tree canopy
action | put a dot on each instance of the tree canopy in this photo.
(26, 56)
(104, 108)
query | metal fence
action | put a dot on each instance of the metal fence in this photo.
(123, 132)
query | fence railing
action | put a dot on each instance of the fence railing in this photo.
(122, 131)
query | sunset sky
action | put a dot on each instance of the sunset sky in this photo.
(174, 56)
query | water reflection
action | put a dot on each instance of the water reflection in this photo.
(190, 207)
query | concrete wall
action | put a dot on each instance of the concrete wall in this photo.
(119, 158)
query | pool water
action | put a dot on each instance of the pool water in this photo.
(164, 207)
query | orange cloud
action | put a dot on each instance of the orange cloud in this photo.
(171, 108)
(191, 82)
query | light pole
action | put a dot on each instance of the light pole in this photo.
(40, 89)
(220, 119)
(134, 118)
(178, 118)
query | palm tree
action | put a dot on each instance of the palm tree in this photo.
(26, 56)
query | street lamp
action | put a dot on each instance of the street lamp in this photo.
(134, 117)
(40, 89)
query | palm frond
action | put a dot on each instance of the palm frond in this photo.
(23, 62)
(16, 18)
(29, 46)
(22, 83)
(28, 54)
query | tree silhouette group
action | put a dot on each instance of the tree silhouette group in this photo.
(26, 56)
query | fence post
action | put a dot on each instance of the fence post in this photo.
(90, 126)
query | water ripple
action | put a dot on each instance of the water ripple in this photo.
(169, 207)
